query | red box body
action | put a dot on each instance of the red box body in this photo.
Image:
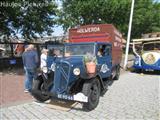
(99, 33)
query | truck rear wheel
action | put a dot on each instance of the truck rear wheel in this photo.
(91, 89)
(117, 73)
(37, 91)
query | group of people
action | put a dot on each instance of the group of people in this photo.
(31, 63)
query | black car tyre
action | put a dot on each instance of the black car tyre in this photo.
(139, 71)
(37, 93)
(117, 73)
(91, 89)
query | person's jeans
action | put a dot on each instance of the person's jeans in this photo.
(30, 75)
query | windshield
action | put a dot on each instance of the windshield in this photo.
(55, 50)
(151, 46)
(79, 49)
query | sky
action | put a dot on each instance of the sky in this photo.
(58, 31)
(157, 0)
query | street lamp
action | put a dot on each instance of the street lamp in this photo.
(128, 36)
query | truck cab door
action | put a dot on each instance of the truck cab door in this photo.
(104, 59)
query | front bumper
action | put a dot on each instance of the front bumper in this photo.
(79, 97)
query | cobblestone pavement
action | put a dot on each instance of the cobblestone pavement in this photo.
(12, 89)
(134, 96)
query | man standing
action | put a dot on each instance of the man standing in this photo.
(30, 62)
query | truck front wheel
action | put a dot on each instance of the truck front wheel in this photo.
(37, 91)
(91, 89)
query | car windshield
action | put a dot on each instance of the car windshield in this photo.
(55, 50)
(79, 49)
(151, 46)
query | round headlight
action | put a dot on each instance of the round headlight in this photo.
(76, 71)
(53, 67)
(45, 69)
(149, 59)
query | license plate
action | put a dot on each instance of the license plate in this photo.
(78, 97)
(66, 97)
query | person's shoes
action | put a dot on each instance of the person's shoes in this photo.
(26, 90)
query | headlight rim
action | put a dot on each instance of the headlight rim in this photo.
(75, 70)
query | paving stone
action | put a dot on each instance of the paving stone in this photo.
(133, 97)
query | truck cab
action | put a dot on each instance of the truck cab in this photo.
(73, 81)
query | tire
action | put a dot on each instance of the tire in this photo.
(37, 93)
(92, 90)
(138, 70)
(117, 73)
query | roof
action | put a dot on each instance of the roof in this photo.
(147, 39)
(88, 43)
(151, 35)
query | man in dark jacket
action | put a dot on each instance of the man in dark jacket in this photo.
(30, 62)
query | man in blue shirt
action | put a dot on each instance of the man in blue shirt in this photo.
(30, 62)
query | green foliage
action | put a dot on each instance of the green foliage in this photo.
(81, 12)
(28, 17)
(31, 20)
(146, 17)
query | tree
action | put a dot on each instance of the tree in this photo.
(29, 18)
(79, 12)
(146, 17)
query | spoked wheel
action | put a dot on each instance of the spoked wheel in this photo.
(92, 90)
(37, 93)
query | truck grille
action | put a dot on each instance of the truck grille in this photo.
(65, 67)
(61, 77)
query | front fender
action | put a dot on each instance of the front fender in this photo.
(42, 77)
(39, 77)
(91, 76)
(88, 76)
(78, 84)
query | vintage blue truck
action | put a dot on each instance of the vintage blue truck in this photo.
(67, 77)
